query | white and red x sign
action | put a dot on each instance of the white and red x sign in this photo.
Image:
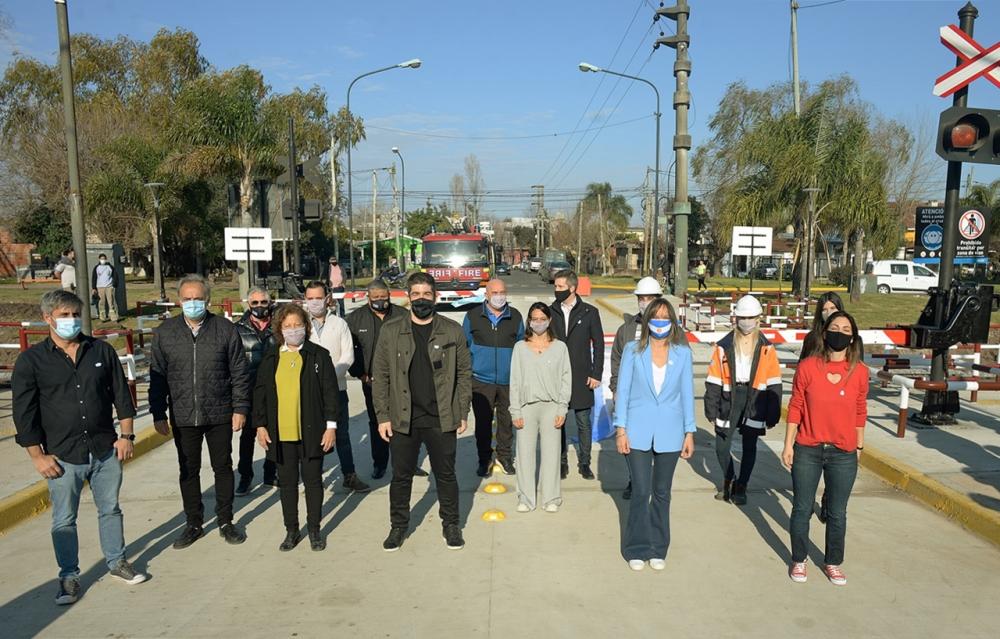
(976, 62)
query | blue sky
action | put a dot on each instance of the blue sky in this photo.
(508, 69)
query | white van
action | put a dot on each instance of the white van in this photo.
(887, 276)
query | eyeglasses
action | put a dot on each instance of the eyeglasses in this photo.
(259, 303)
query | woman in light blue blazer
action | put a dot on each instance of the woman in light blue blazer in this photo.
(654, 426)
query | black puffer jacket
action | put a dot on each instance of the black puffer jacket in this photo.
(202, 380)
(255, 343)
(365, 328)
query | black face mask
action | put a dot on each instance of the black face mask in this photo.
(261, 312)
(422, 308)
(837, 341)
(379, 306)
(562, 296)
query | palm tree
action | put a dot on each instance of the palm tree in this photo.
(613, 212)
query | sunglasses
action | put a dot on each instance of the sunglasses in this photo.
(259, 303)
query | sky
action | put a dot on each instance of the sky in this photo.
(500, 79)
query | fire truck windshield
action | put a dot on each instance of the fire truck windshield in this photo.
(453, 253)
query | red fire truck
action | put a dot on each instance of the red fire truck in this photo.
(457, 261)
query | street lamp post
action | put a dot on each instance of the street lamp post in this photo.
(409, 64)
(585, 67)
(157, 240)
(402, 206)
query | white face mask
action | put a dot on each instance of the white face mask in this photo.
(498, 301)
(747, 324)
(826, 314)
(539, 326)
(643, 305)
(316, 308)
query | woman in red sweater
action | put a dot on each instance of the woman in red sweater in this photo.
(826, 419)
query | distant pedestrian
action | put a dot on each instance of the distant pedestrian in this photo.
(541, 384)
(701, 271)
(654, 427)
(578, 325)
(296, 407)
(65, 268)
(742, 396)
(258, 338)
(104, 283)
(492, 329)
(199, 371)
(335, 280)
(826, 432)
(331, 332)
(64, 390)
(646, 290)
(422, 387)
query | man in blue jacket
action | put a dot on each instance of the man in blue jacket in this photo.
(491, 330)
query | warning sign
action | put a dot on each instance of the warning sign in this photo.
(973, 236)
(971, 225)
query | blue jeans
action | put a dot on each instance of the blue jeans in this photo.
(839, 469)
(647, 529)
(105, 477)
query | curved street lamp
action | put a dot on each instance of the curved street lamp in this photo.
(409, 64)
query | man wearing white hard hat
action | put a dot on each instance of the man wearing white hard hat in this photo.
(646, 290)
(742, 395)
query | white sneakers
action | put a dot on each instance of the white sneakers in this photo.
(523, 508)
(636, 564)
(657, 564)
(552, 508)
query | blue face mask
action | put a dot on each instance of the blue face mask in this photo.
(68, 327)
(194, 309)
(660, 328)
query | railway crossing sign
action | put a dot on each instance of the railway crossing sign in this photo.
(976, 62)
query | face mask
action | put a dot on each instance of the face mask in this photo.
(260, 312)
(379, 306)
(643, 305)
(562, 296)
(103, 261)
(498, 301)
(539, 326)
(747, 324)
(837, 342)
(660, 328)
(422, 308)
(826, 314)
(68, 327)
(194, 309)
(294, 336)
(316, 308)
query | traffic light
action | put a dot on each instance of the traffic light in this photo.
(969, 135)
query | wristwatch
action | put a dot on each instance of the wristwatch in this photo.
(128, 436)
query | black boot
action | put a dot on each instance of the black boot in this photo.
(739, 494)
(316, 541)
(725, 493)
(292, 540)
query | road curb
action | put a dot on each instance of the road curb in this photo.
(952, 504)
(608, 307)
(34, 500)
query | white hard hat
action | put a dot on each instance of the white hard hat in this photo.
(648, 286)
(748, 306)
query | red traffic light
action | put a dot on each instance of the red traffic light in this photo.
(964, 135)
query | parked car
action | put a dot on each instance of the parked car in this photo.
(548, 271)
(534, 264)
(503, 268)
(887, 276)
(766, 271)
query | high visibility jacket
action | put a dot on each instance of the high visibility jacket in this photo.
(764, 393)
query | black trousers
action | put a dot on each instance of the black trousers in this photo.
(487, 398)
(583, 430)
(405, 453)
(248, 439)
(188, 440)
(723, 448)
(294, 464)
(380, 449)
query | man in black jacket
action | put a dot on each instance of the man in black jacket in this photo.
(578, 324)
(199, 371)
(255, 332)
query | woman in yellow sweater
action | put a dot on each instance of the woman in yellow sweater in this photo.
(295, 411)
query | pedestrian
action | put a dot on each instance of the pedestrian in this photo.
(255, 331)
(104, 283)
(331, 332)
(366, 325)
(578, 325)
(701, 271)
(422, 387)
(646, 290)
(63, 392)
(654, 426)
(492, 329)
(335, 280)
(65, 268)
(742, 396)
(826, 432)
(199, 371)
(296, 412)
(540, 388)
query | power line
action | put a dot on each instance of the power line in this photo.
(820, 4)
(505, 137)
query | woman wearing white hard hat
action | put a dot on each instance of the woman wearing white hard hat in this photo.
(742, 396)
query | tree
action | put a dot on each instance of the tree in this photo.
(475, 185)
(48, 229)
(456, 186)
(605, 218)
(419, 222)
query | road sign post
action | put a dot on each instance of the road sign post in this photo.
(249, 245)
(751, 241)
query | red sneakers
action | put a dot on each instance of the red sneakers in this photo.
(835, 575)
(797, 572)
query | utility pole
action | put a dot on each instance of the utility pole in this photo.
(682, 139)
(333, 197)
(579, 237)
(539, 195)
(795, 57)
(73, 160)
(293, 181)
(604, 252)
(396, 213)
(374, 222)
